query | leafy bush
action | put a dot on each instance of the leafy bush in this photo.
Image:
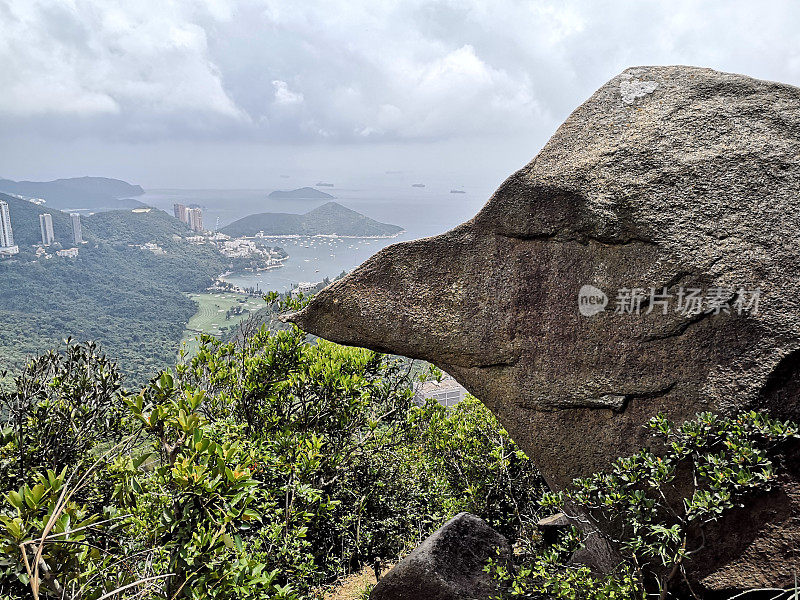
(659, 504)
(479, 467)
(63, 405)
(268, 467)
(356, 471)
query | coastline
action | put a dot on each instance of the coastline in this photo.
(311, 258)
(332, 236)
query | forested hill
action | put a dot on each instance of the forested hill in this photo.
(125, 227)
(118, 226)
(130, 300)
(25, 223)
(81, 193)
(329, 219)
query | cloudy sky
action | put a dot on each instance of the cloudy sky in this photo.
(233, 93)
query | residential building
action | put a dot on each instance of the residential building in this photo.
(150, 247)
(68, 253)
(305, 288)
(76, 228)
(46, 227)
(446, 392)
(195, 218)
(7, 247)
(180, 211)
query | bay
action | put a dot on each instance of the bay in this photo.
(421, 212)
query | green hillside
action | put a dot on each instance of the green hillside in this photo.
(25, 223)
(328, 219)
(126, 227)
(130, 300)
(119, 226)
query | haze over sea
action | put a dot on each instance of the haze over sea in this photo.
(390, 198)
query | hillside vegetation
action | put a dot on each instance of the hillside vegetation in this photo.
(131, 300)
(266, 470)
(25, 223)
(328, 219)
(271, 468)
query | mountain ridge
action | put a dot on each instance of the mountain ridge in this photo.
(78, 193)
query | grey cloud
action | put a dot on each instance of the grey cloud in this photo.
(351, 71)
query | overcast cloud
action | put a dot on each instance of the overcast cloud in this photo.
(104, 86)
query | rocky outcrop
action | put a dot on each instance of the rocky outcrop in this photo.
(666, 180)
(448, 565)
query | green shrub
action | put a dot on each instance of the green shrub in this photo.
(658, 505)
(265, 468)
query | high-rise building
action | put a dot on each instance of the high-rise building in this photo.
(195, 218)
(46, 227)
(180, 212)
(6, 234)
(77, 238)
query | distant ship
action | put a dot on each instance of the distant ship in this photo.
(323, 184)
(417, 185)
(457, 192)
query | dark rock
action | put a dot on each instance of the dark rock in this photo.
(675, 177)
(448, 565)
(551, 526)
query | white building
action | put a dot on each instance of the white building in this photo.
(76, 228)
(68, 253)
(7, 247)
(46, 227)
(304, 287)
(446, 392)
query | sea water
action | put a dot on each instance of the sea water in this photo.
(421, 212)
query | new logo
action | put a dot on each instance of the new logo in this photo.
(591, 300)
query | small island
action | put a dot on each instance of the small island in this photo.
(330, 219)
(303, 193)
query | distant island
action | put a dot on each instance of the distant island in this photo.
(323, 184)
(303, 193)
(420, 185)
(329, 219)
(78, 193)
(457, 192)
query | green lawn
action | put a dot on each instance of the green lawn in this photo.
(210, 316)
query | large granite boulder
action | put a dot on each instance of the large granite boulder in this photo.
(448, 565)
(667, 177)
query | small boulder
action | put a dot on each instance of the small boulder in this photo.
(448, 565)
(551, 526)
